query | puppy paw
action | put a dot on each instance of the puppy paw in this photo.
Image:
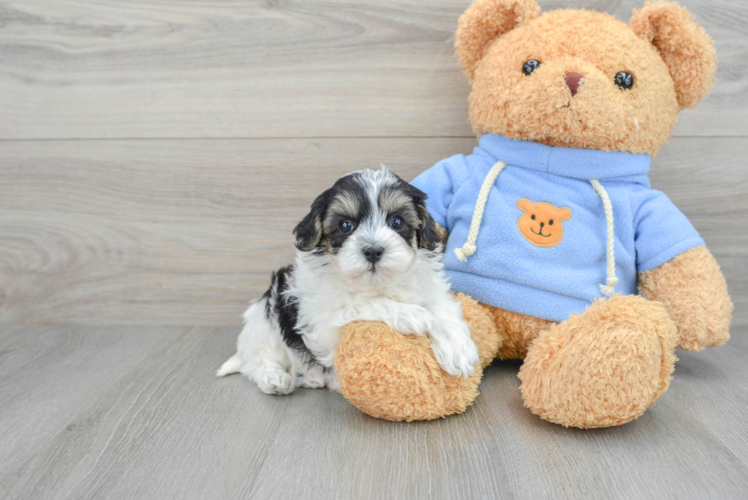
(412, 320)
(314, 378)
(276, 382)
(331, 378)
(455, 351)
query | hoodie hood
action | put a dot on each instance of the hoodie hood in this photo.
(567, 162)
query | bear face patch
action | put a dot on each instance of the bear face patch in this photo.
(542, 223)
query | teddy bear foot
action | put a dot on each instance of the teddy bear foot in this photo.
(601, 368)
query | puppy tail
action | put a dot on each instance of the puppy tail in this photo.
(233, 365)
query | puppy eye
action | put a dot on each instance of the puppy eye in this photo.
(532, 217)
(397, 223)
(530, 66)
(625, 80)
(345, 226)
(550, 222)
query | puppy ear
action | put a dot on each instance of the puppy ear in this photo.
(485, 21)
(685, 47)
(308, 232)
(427, 233)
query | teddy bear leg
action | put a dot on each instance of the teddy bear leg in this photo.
(393, 376)
(518, 330)
(601, 368)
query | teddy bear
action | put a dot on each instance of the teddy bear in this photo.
(558, 249)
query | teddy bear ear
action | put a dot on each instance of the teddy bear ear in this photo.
(564, 213)
(685, 47)
(484, 21)
(524, 204)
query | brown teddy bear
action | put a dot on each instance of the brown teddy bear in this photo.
(558, 249)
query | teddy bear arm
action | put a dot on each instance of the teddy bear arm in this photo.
(694, 292)
(396, 377)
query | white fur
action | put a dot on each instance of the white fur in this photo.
(408, 291)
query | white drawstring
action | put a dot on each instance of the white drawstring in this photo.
(469, 247)
(609, 288)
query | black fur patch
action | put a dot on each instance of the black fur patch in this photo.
(285, 311)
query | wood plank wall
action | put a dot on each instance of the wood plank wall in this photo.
(155, 155)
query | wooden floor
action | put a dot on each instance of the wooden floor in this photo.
(154, 157)
(134, 412)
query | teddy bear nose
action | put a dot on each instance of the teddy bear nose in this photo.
(572, 81)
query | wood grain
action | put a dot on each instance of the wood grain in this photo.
(61, 372)
(154, 157)
(185, 232)
(137, 413)
(189, 68)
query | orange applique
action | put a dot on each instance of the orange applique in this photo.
(542, 223)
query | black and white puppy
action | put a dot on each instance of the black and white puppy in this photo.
(368, 250)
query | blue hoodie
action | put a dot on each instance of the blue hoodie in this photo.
(509, 268)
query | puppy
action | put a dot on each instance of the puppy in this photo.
(368, 250)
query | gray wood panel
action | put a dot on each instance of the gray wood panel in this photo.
(61, 373)
(189, 68)
(136, 413)
(186, 232)
(154, 157)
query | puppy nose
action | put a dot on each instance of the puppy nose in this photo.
(373, 254)
(572, 81)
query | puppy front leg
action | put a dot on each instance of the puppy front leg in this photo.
(451, 342)
(410, 319)
(404, 318)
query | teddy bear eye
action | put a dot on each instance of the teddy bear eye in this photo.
(532, 217)
(625, 80)
(530, 66)
(550, 222)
